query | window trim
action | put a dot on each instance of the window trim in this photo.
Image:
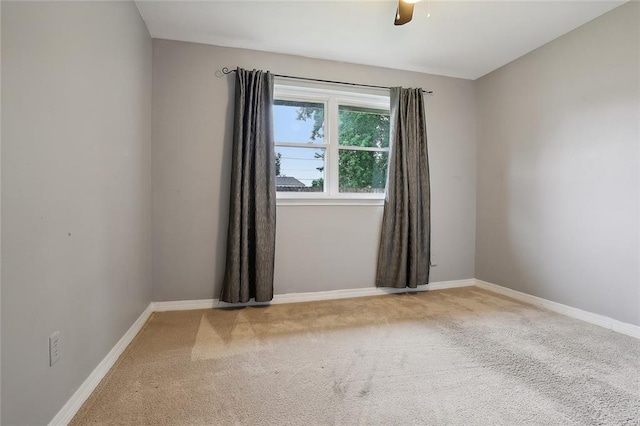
(331, 99)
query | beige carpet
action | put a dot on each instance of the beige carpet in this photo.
(450, 357)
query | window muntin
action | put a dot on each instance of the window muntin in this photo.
(341, 146)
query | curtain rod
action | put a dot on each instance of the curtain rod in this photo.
(226, 71)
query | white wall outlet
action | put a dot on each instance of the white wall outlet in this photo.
(54, 348)
(434, 260)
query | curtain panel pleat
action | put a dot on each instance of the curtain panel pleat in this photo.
(251, 235)
(404, 251)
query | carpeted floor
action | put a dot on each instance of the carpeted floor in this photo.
(450, 357)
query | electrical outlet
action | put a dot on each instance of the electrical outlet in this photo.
(434, 260)
(54, 348)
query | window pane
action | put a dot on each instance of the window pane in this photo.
(363, 127)
(299, 169)
(298, 122)
(363, 171)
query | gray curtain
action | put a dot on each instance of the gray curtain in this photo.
(251, 237)
(403, 256)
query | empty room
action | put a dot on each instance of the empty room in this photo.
(320, 212)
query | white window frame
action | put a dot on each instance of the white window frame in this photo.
(331, 99)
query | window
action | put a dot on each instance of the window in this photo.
(331, 146)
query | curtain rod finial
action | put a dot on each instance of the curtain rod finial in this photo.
(223, 72)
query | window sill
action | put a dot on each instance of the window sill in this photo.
(326, 201)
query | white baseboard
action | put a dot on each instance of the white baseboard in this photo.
(590, 317)
(185, 305)
(74, 403)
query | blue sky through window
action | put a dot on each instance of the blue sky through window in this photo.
(296, 162)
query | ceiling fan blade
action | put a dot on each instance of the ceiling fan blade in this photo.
(404, 13)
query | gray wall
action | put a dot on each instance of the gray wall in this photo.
(76, 195)
(0, 217)
(318, 247)
(557, 196)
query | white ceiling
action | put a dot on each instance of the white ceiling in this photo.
(466, 39)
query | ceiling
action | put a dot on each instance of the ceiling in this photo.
(465, 39)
